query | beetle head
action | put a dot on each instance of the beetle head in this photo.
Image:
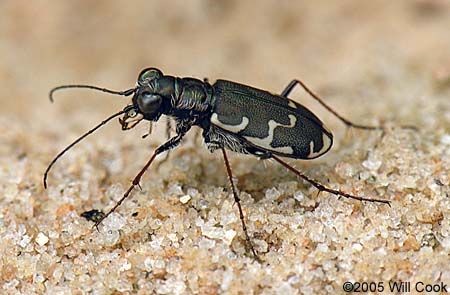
(147, 103)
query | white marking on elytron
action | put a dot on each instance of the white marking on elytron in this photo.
(326, 145)
(231, 128)
(266, 141)
(292, 104)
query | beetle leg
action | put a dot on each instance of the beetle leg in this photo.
(238, 202)
(170, 144)
(166, 157)
(289, 88)
(294, 83)
(150, 129)
(321, 187)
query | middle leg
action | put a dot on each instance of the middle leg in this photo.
(238, 202)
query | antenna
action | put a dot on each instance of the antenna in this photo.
(124, 93)
(77, 141)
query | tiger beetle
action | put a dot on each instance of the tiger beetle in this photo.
(232, 116)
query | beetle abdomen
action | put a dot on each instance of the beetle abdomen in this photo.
(269, 122)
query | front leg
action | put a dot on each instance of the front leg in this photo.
(183, 126)
(182, 129)
(170, 144)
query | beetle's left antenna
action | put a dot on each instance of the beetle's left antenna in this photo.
(77, 141)
(124, 93)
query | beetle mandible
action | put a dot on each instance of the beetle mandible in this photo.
(232, 116)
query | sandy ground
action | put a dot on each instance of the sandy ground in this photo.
(376, 62)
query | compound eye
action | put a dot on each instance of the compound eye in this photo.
(148, 75)
(149, 103)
